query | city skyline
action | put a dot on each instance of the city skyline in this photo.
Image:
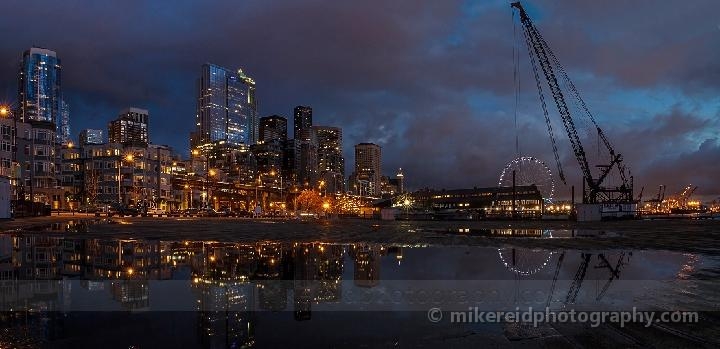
(656, 105)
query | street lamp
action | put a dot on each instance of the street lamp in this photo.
(257, 186)
(187, 186)
(210, 173)
(272, 173)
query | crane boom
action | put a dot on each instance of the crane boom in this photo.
(541, 53)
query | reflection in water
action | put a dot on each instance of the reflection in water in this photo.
(45, 279)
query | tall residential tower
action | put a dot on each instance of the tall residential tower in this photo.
(366, 178)
(130, 128)
(40, 92)
(302, 118)
(331, 164)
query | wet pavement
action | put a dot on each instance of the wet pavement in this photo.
(124, 284)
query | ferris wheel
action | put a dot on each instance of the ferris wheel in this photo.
(529, 171)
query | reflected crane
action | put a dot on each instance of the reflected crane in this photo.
(614, 272)
(578, 279)
(555, 277)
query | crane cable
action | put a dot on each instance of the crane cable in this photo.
(516, 79)
(543, 104)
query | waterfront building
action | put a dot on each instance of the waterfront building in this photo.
(526, 201)
(8, 164)
(132, 175)
(37, 158)
(71, 175)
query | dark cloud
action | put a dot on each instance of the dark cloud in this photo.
(429, 81)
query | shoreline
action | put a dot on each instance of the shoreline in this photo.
(695, 236)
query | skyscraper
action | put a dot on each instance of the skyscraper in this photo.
(63, 124)
(307, 172)
(302, 120)
(39, 87)
(227, 109)
(273, 127)
(270, 150)
(331, 164)
(366, 177)
(130, 128)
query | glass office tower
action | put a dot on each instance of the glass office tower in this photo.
(227, 110)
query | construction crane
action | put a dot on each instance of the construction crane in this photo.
(661, 193)
(595, 189)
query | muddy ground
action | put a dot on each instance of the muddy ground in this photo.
(696, 236)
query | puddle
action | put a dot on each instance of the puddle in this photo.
(78, 291)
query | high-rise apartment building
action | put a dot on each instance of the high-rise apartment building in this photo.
(302, 118)
(273, 127)
(227, 108)
(307, 172)
(130, 128)
(331, 164)
(39, 87)
(367, 175)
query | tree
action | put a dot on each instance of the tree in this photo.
(310, 200)
(92, 177)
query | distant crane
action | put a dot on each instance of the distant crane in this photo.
(661, 193)
(594, 187)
